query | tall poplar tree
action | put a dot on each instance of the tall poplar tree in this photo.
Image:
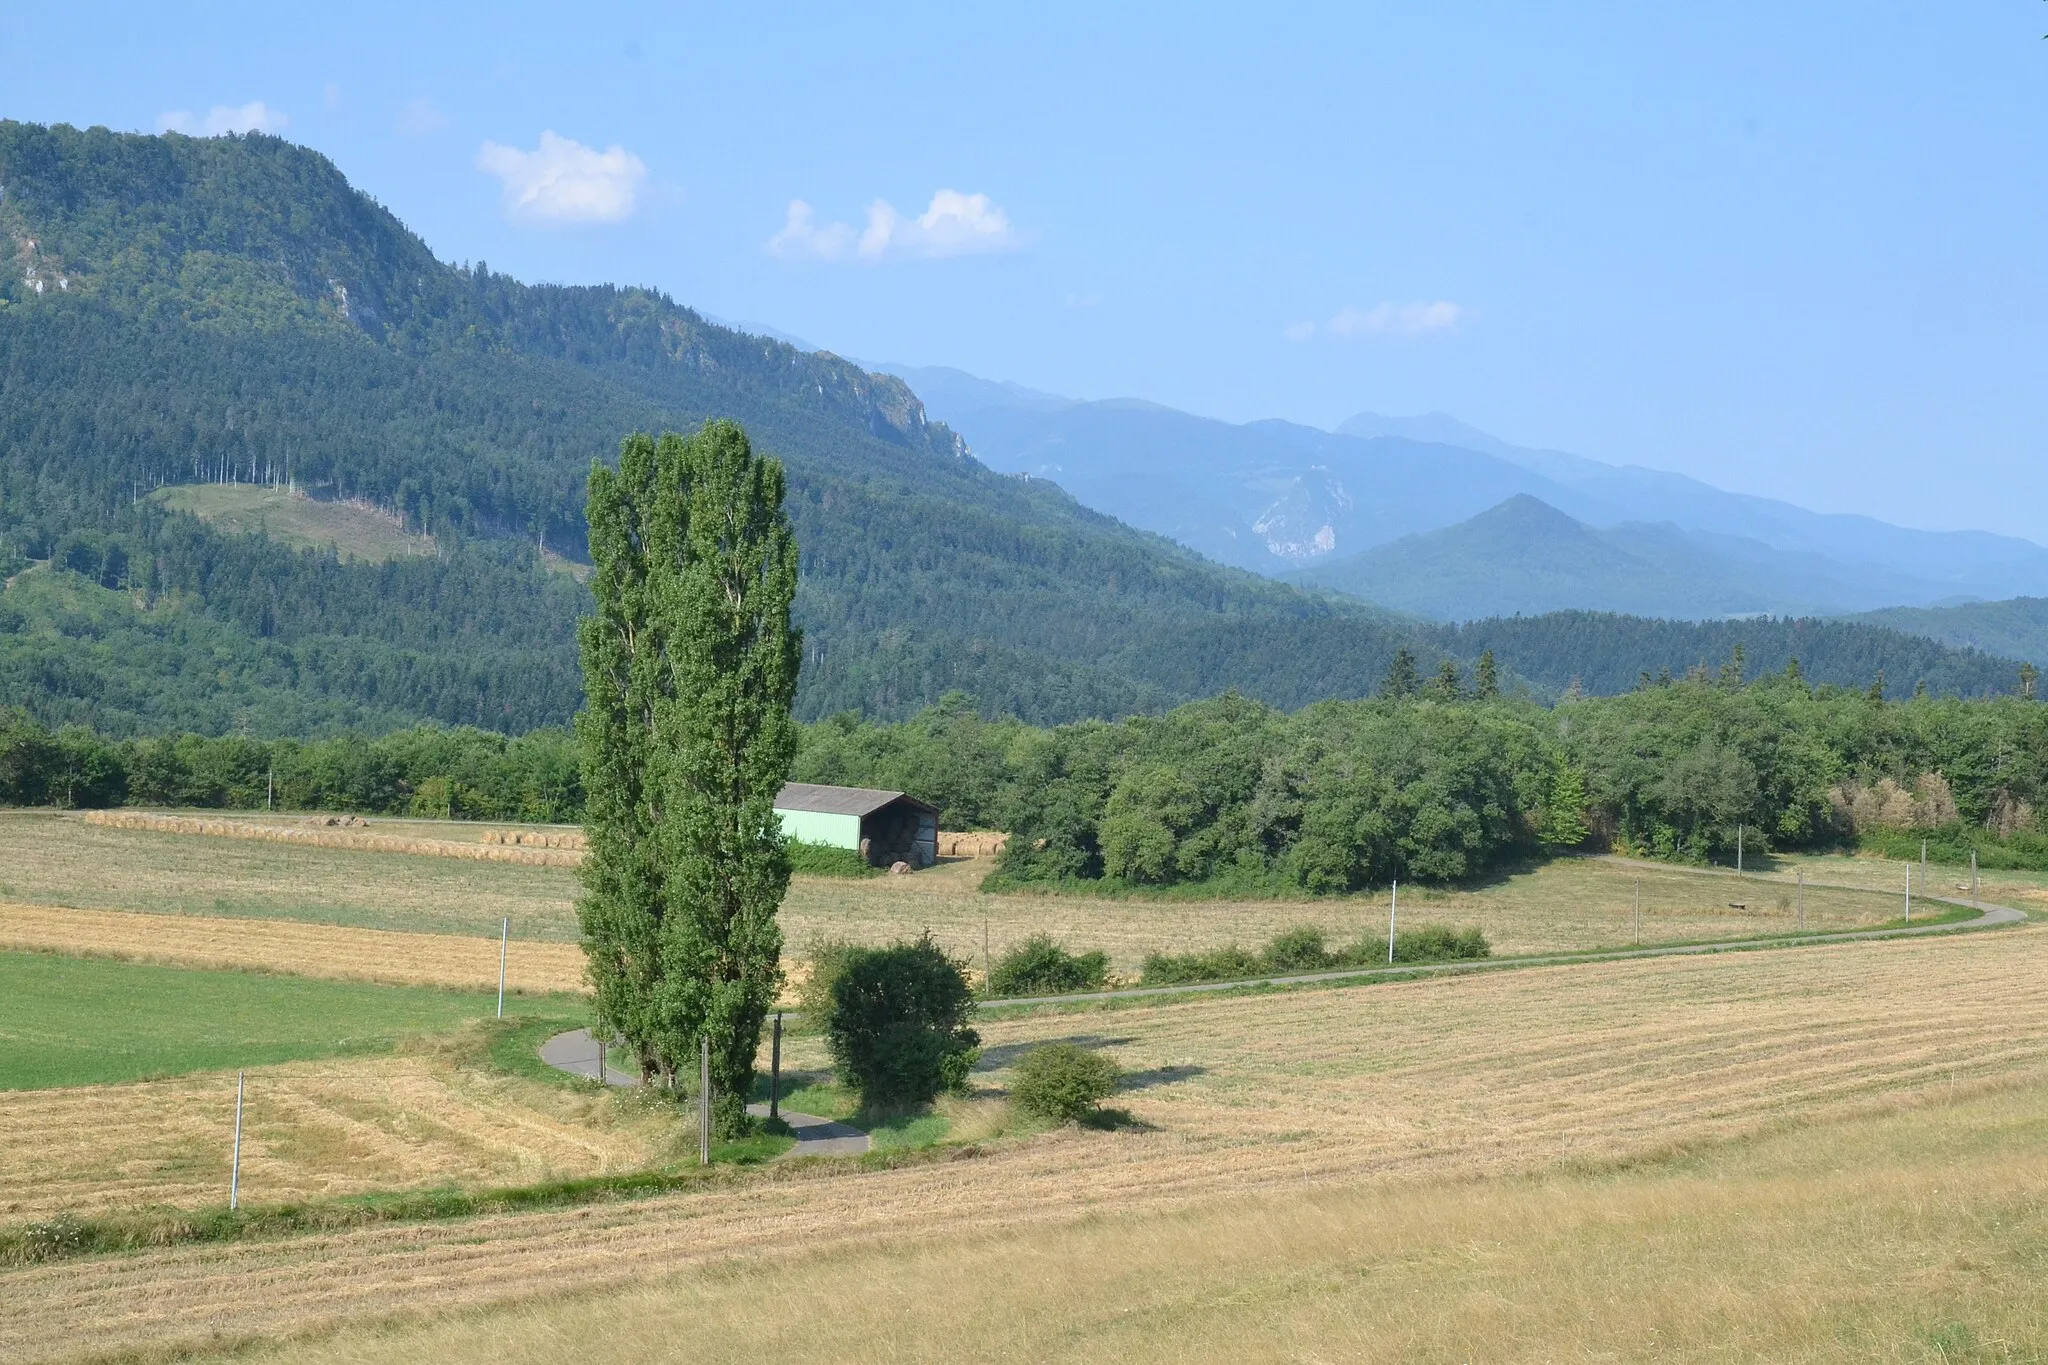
(691, 670)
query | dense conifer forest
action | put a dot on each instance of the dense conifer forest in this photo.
(183, 311)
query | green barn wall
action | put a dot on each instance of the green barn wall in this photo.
(816, 827)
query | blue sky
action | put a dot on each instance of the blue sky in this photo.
(1792, 249)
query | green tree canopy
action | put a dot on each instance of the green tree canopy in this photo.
(690, 671)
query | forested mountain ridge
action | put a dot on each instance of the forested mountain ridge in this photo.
(229, 308)
(1603, 653)
(227, 284)
(2017, 628)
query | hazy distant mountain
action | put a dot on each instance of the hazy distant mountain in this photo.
(1963, 563)
(1526, 557)
(1277, 497)
(1267, 496)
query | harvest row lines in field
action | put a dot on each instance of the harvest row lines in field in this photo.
(1471, 1076)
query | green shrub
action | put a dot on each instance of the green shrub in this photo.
(1040, 966)
(1437, 943)
(898, 1026)
(1303, 950)
(2025, 850)
(823, 860)
(1218, 964)
(1062, 1082)
(1298, 950)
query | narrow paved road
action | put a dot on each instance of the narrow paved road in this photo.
(576, 1053)
(1990, 916)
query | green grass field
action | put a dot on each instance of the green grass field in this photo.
(80, 1021)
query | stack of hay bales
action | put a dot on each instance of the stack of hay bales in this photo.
(324, 837)
(978, 844)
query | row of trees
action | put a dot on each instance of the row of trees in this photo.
(449, 773)
(1336, 794)
(1431, 782)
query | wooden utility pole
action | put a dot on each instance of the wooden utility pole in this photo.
(775, 1071)
(1639, 912)
(504, 941)
(1802, 900)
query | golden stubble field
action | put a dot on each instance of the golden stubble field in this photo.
(299, 949)
(1314, 1097)
(1911, 1236)
(312, 1130)
(54, 860)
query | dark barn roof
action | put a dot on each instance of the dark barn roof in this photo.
(841, 800)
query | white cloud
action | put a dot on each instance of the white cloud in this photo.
(803, 236)
(954, 224)
(253, 117)
(1382, 319)
(420, 117)
(564, 181)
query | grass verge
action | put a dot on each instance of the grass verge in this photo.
(68, 1021)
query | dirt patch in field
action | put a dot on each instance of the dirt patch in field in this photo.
(320, 950)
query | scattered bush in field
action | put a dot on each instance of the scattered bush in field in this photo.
(1040, 966)
(898, 1025)
(822, 860)
(1437, 943)
(1303, 950)
(1218, 964)
(1297, 950)
(1062, 1082)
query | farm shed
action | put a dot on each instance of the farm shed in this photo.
(887, 827)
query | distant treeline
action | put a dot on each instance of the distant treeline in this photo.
(1424, 782)
(460, 773)
(1436, 786)
(1604, 653)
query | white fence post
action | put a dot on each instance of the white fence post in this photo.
(235, 1162)
(1393, 908)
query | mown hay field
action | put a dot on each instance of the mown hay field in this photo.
(1565, 904)
(1913, 1236)
(424, 1118)
(1316, 1096)
(48, 859)
(298, 949)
